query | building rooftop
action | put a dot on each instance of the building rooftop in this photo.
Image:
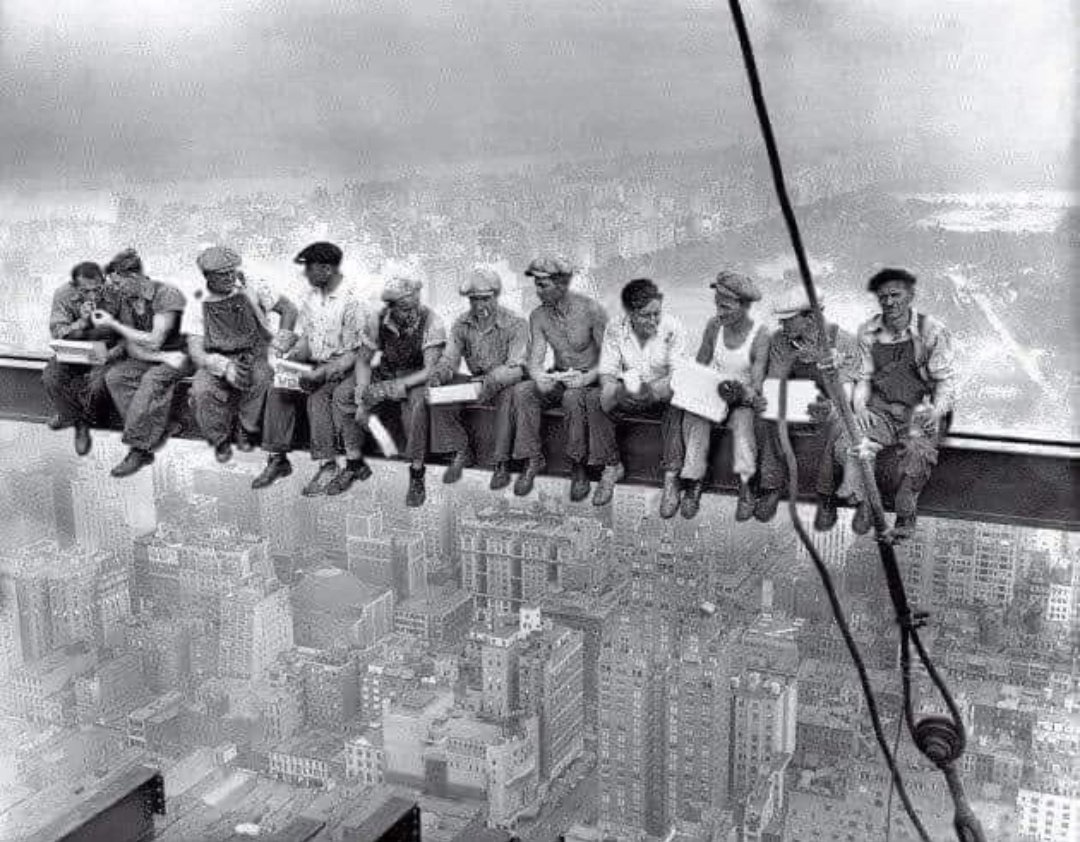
(440, 598)
(331, 590)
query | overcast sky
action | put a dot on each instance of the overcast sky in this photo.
(153, 89)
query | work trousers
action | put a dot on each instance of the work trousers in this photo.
(219, 406)
(78, 393)
(584, 422)
(915, 457)
(620, 406)
(697, 435)
(143, 393)
(279, 420)
(448, 434)
(772, 466)
(412, 412)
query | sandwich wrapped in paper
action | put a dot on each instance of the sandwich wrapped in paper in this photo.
(695, 390)
(454, 393)
(287, 373)
(75, 352)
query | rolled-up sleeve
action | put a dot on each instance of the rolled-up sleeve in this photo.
(358, 325)
(435, 334)
(864, 349)
(611, 359)
(63, 316)
(518, 352)
(849, 370)
(941, 364)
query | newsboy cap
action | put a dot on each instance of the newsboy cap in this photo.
(218, 259)
(886, 275)
(125, 262)
(736, 285)
(793, 301)
(325, 253)
(398, 288)
(481, 283)
(549, 267)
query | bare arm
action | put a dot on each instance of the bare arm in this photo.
(418, 378)
(288, 311)
(759, 360)
(598, 329)
(537, 346)
(151, 340)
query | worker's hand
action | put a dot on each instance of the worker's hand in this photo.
(576, 380)
(283, 342)
(489, 387)
(661, 391)
(928, 417)
(396, 390)
(758, 402)
(373, 395)
(86, 311)
(99, 318)
(820, 410)
(175, 360)
(830, 361)
(438, 377)
(115, 353)
(545, 384)
(232, 375)
(864, 421)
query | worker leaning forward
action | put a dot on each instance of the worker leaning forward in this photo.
(795, 352)
(228, 335)
(333, 329)
(737, 348)
(78, 393)
(493, 341)
(904, 397)
(410, 338)
(636, 364)
(143, 383)
(572, 325)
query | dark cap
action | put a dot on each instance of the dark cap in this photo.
(886, 275)
(126, 262)
(325, 253)
(736, 285)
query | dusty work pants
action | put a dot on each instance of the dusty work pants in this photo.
(604, 442)
(448, 433)
(219, 406)
(78, 393)
(697, 435)
(581, 416)
(772, 466)
(143, 393)
(412, 412)
(279, 420)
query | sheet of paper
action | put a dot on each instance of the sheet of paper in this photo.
(382, 437)
(694, 387)
(287, 374)
(454, 393)
(79, 352)
(800, 394)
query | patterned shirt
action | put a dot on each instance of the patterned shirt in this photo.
(504, 342)
(66, 321)
(933, 352)
(653, 361)
(336, 323)
(783, 355)
(258, 291)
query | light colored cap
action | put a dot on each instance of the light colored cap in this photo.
(481, 283)
(218, 259)
(398, 288)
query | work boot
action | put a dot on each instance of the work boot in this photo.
(417, 493)
(670, 497)
(83, 442)
(863, 521)
(579, 482)
(317, 484)
(134, 461)
(277, 467)
(223, 452)
(825, 516)
(605, 489)
(454, 470)
(355, 469)
(245, 441)
(744, 509)
(500, 478)
(766, 505)
(691, 501)
(524, 485)
(904, 527)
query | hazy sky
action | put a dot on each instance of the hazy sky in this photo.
(136, 89)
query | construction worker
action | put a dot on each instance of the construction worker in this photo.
(333, 329)
(494, 342)
(903, 398)
(794, 352)
(228, 333)
(410, 338)
(738, 348)
(78, 392)
(142, 384)
(572, 325)
(636, 363)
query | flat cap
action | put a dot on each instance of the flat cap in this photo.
(398, 288)
(549, 267)
(218, 259)
(325, 253)
(126, 261)
(736, 285)
(481, 283)
(793, 301)
(886, 275)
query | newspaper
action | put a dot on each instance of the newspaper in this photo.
(695, 391)
(800, 394)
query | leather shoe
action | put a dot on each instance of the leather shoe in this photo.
(223, 452)
(670, 497)
(317, 484)
(276, 468)
(825, 516)
(500, 478)
(744, 508)
(133, 462)
(579, 483)
(456, 467)
(417, 492)
(863, 521)
(344, 478)
(245, 441)
(83, 442)
(766, 506)
(524, 485)
(691, 501)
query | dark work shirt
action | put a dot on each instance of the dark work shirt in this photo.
(153, 297)
(66, 321)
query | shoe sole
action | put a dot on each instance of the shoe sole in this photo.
(282, 475)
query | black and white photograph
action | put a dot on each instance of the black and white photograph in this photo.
(539, 421)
